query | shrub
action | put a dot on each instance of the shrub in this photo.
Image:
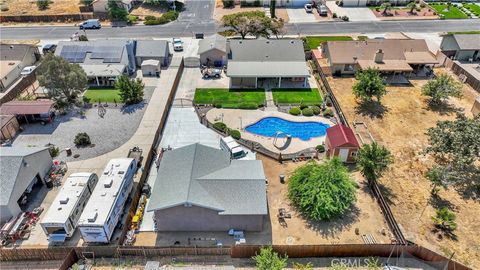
(422, 5)
(320, 148)
(150, 18)
(234, 133)
(43, 4)
(217, 105)
(334, 15)
(248, 106)
(179, 6)
(82, 38)
(307, 112)
(151, 22)
(131, 19)
(294, 111)
(228, 3)
(54, 151)
(82, 139)
(316, 110)
(86, 99)
(170, 15)
(328, 113)
(345, 18)
(220, 126)
(303, 106)
(162, 20)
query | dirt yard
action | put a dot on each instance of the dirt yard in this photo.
(148, 10)
(401, 128)
(364, 215)
(220, 11)
(24, 7)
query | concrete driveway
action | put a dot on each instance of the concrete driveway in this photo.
(299, 15)
(355, 14)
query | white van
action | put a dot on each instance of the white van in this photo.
(91, 24)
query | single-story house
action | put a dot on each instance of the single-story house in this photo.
(389, 56)
(8, 127)
(14, 57)
(213, 51)
(362, 3)
(341, 142)
(103, 60)
(461, 47)
(151, 68)
(152, 50)
(266, 63)
(278, 3)
(20, 170)
(199, 188)
(29, 110)
(102, 5)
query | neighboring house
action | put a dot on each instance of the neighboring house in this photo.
(20, 170)
(41, 110)
(8, 127)
(464, 47)
(341, 142)
(198, 188)
(102, 5)
(389, 56)
(152, 50)
(13, 58)
(150, 68)
(103, 60)
(362, 3)
(266, 63)
(213, 51)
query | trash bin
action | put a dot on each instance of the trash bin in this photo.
(282, 178)
(69, 151)
(49, 182)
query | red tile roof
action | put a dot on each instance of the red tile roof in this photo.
(340, 135)
(17, 107)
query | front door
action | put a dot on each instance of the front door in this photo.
(343, 154)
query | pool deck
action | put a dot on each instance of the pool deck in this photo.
(239, 119)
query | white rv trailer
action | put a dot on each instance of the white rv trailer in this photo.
(62, 216)
(101, 215)
(229, 144)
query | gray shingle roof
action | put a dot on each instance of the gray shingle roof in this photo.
(203, 176)
(212, 42)
(468, 41)
(151, 48)
(11, 162)
(266, 58)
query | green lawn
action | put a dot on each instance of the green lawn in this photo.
(297, 96)
(473, 7)
(314, 42)
(230, 98)
(103, 95)
(453, 13)
(464, 33)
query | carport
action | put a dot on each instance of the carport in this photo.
(30, 110)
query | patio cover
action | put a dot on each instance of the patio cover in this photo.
(17, 107)
(420, 58)
(386, 65)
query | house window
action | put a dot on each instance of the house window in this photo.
(348, 67)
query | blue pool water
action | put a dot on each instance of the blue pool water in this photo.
(269, 126)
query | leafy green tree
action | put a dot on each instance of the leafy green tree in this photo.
(369, 84)
(442, 87)
(411, 6)
(444, 219)
(373, 160)
(115, 11)
(438, 177)
(64, 81)
(252, 22)
(270, 260)
(43, 4)
(455, 145)
(131, 90)
(322, 191)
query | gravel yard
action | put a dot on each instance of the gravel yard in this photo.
(106, 134)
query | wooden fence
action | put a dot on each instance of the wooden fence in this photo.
(19, 87)
(47, 18)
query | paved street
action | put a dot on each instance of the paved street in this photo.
(186, 28)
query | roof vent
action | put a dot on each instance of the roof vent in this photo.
(379, 56)
(292, 41)
(108, 183)
(92, 217)
(64, 200)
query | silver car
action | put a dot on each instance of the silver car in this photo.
(322, 10)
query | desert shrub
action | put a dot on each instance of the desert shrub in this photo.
(220, 126)
(307, 112)
(334, 15)
(294, 111)
(328, 113)
(82, 139)
(234, 133)
(316, 110)
(43, 4)
(320, 148)
(248, 106)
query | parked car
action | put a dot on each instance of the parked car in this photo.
(308, 8)
(177, 44)
(49, 48)
(91, 24)
(322, 10)
(211, 73)
(27, 70)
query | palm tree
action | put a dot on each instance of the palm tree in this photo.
(373, 160)
(445, 220)
(411, 6)
(386, 6)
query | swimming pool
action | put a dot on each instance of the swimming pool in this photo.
(269, 126)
